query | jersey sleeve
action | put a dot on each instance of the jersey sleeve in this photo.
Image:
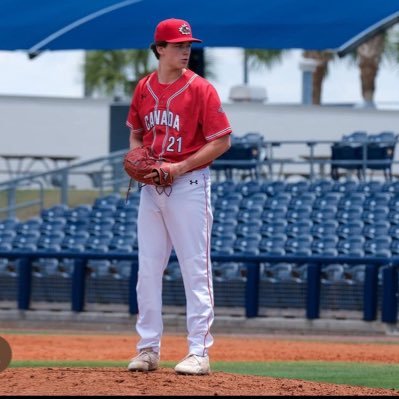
(214, 120)
(133, 118)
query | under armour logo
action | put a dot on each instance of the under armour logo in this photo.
(193, 181)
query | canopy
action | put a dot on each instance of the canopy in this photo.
(37, 25)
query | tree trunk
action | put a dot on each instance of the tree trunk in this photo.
(369, 55)
(322, 57)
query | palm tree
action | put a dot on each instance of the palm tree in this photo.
(114, 73)
(369, 56)
(256, 59)
(322, 58)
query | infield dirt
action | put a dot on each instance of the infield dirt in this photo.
(117, 381)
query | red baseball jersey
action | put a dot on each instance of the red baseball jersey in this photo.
(177, 119)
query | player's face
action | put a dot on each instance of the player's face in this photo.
(177, 55)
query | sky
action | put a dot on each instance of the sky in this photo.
(59, 73)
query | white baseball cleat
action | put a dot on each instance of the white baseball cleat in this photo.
(146, 360)
(194, 365)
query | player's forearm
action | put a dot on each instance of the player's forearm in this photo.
(206, 154)
(135, 140)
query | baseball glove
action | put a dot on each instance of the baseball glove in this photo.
(140, 162)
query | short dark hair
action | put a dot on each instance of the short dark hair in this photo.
(153, 47)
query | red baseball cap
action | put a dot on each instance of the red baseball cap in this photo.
(174, 31)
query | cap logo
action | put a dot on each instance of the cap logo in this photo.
(184, 30)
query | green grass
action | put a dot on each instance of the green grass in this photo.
(361, 374)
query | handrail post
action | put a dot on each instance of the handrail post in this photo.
(64, 187)
(78, 285)
(252, 290)
(370, 293)
(389, 312)
(11, 200)
(133, 306)
(313, 291)
(364, 161)
(24, 283)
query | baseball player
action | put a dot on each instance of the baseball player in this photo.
(178, 114)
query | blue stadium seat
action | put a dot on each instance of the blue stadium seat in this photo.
(325, 246)
(394, 232)
(327, 200)
(297, 188)
(248, 229)
(351, 200)
(223, 245)
(301, 245)
(110, 199)
(126, 214)
(300, 213)
(55, 211)
(377, 229)
(7, 236)
(375, 200)
(256, 200)
(273, 243)
(279, 272)
(302, 200)
(379, 246)
(53, 225)
(393, 217)
(378, 213)
(394, 204)
(225, 215)
(391, 187)
(350, 229)
(79, 213)
(223, 188)
(349, 215)
(98, 241)
(100, 214)
(271, 188)
(9, 223)
(300, 227)
(395, 247)
(231, 201)
(281, 200)
(224, 230)
(123, 228)
(26, 240)
(229, 271)
(321, 187)
(32, 224)
(356, 274)
(275, 227)
(271, 215)
(250, 188)
(351, 246)
(324, 229)
(345, 187)
(246, 215)
(249, 246)
(72, 228)
(370, 187)
(101, 226)
(49, 240)
(324, 214)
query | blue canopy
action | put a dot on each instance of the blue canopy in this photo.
(37, 25)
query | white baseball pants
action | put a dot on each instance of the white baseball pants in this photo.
(182, 220)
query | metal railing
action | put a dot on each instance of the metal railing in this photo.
(389, 265)
(106, 173)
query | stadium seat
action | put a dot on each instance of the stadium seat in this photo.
(334, 273)
(350, 229)
(275, 227)
(298, 188)
(248, 229)
(327, 200)
(325, 246)
(255, 200)
(271, 188)
(273, 245)
(325, 228)
(301, 200)
(351, 246)
(321, 187)
(379, 246)
(280, 200)
(377, 199)
(249, 246)
(271, 215)
(324, 214)
(301, 245)
(9, 223)
(295, 229)
(300, 213)
(377, 229)
(349, 215)
(378, 213)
